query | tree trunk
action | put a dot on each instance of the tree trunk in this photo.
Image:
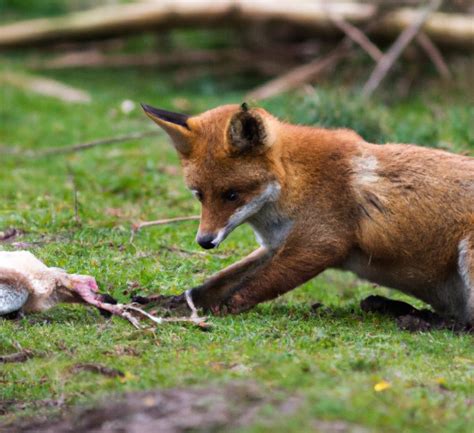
(314, 15)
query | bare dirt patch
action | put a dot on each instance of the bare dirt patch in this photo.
(97, 368)
(22, 356)
(180, 410)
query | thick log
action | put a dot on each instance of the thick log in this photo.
(107, 21)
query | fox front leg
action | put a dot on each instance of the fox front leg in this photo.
(218, 288)
(290, 267)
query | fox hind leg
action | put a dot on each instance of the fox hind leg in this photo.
(385, 306)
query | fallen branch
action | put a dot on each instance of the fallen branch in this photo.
(113, 20)
(45, 86)
(138, 226)
(397, 48)
(94, 58)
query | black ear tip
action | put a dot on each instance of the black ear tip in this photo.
(244, 106)
(146, 108)
(167, 116)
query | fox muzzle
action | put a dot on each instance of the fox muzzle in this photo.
(206, 240)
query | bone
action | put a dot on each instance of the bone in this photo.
(194, 318)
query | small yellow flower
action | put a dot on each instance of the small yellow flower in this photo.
(127, 377)
(382, 386)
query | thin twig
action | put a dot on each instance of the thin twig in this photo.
(397, 48)
(72, 178)
(299, 75)
(306, 73)
(183, 251)
(138, 226)
(434, 54)
(95, 143)
(358, 36)
(53, 151)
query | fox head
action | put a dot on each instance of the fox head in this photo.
(227, 159)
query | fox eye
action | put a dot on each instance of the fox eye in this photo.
(198, 194)
(230, 195)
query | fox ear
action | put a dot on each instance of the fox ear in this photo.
(248, 132)
(175, 125)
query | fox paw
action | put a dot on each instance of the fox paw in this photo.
(234, 305)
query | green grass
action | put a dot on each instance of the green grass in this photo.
(332, 359)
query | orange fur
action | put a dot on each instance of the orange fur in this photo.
(398, 215)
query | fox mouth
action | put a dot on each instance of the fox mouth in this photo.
(210, 241)
(221, 235)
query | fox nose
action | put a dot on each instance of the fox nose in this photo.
(206, 240)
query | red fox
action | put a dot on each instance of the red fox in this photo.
(397, 215)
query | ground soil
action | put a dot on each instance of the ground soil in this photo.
(211, 409)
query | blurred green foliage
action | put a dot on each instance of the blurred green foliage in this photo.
(336, 109)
